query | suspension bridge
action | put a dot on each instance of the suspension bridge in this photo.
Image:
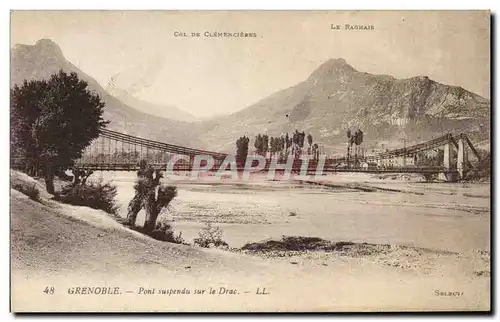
(114, 151)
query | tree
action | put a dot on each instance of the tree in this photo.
(302, 137)
(481, 169)
(272, 145)
(52, 121)
(315, 151)
(295, 137)
(265, 144)
(295, 142)
(349, 144)
(261, 144)
(258, 144)
(358, 139)
(288, 143)
(310, 141)
(148, 179)
(241, 150)
(280, 145)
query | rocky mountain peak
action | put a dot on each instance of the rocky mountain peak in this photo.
(331, 68)
(46, 48)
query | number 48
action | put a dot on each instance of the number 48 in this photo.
(49, 290)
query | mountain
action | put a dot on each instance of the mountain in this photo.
(332, 99)
(211, 117)
(46, 58)
(336, 97)
(167, 111)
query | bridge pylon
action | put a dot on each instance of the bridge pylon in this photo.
(448, 175)
(463, 165)
(462, 157)
(447, 156)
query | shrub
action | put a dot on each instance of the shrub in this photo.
(303, 244)
(29, 190)
(210, 237)
(481, 170)
(291, 243)
(430, 177)
(163, 231)
(96, 195)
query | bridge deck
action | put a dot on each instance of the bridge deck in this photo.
(114, 151)
(327, 169)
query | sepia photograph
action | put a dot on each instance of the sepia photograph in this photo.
(250, 161)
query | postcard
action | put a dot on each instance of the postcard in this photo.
(250, 161)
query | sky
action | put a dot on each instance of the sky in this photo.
(139, 52)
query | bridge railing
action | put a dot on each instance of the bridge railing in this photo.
(161, 153)
(417, 147)
(171, 148)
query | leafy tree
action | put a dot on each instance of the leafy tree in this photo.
(277, 145)
(295, 137)
(481, 169)
(242, 149)
(265, 144)
(272, 145)
(288, 143)
(52, 121)
(353, 139)
(146, 196)
(258, 143)
(295, 141)
(302, 137)
(358, 139)
(315, 151)
(350, 140)
(261, 144)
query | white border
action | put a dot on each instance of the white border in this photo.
(255, 5)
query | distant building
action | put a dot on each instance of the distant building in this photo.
(369, 165)
(396, 162)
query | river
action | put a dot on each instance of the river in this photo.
(446, 216)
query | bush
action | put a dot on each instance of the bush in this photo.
(163, 231)
(96, 195)
(481, 170)
(29, 190)
(210, 237)
(430, 177)
(301, 244)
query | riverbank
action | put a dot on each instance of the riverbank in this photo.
(68, 246)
